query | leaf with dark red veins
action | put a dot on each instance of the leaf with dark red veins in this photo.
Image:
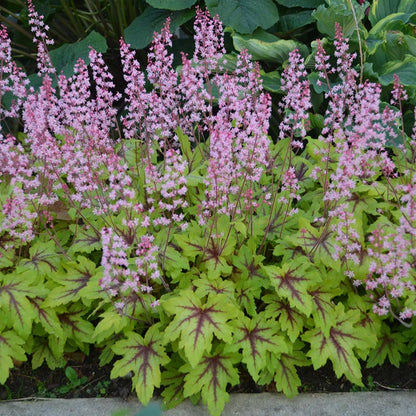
(292, 281)
(143, 357)
(15, 291)
(10, 349)
(195, 323)
(43, 258)
(210, 377)
(215, 287)
(389, 345)
(86, 240)
(46, 317)
(255, 337)
(42, 352)
(339, 345)
(290, 319)
(71, 283)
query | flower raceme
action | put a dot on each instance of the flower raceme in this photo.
(195, 151)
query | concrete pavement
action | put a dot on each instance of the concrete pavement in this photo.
(397, 403)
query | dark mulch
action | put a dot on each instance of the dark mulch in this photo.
(42, 382)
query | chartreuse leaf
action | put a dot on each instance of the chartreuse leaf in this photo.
(389, 345)
(214, 287)
(174, 262)
(71, 283)
(86, 240)
(10, 349)
(282, 369)
(244, 15)
(42, 352)
(15, 291)
(143, 357)
(196, 323)
(210, 377)
(47, 317)
(339, 346)
(173, 379)
(111, 323)
(255, 337)
(289, 318)
(43, 258)
(292, 280)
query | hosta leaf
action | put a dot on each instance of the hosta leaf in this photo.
(383, 8)
(289, 318)
(140, 32)
(389, 345)
(210, 377)
(71, 283)
(15, 291)
(292, 280)
(405, 69)
(195, 323)
(171, 4)
(10, 348)
(339, 345)
(255, 337)
(143, 357)
(264, 46)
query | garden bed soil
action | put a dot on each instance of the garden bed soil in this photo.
(26, 383)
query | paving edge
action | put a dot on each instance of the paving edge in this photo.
(387, 403)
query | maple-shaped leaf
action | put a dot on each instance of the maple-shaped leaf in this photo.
(215, 287)
(15, 291)
(10, 349)
(43, 258)
(317, 242)
(191, 242)
(111, 322)
(292, 281)
(42, 352)
(195, 323)
(86, 240)
(290, 319)
(255, 337)
(75, 328)
(246, 293)
(47, 317)
(249, 263)
(71, 282)
(143, 357)
(324, 312)
(174, 380)
(339, 345)
(391, 345)
(174, 262)
(210, 377)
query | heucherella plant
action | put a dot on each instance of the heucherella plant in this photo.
(165, 226)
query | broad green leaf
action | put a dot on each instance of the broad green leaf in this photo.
(292, 280)
(289, 318)
(383, 8)
(210, 377)
(10, 348)
(15, 292)
(271, 81)
(171, 4)
(338, 11)
(143, 357)
(71, 283)
(391, 345)
(245, 15)
(405, 69)
(255, 337)
(312, 4)
(195, 323)
(263, 46)
(339, 346)
(293, 21)
(174, 262)
(140, 32)
(65, 57)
